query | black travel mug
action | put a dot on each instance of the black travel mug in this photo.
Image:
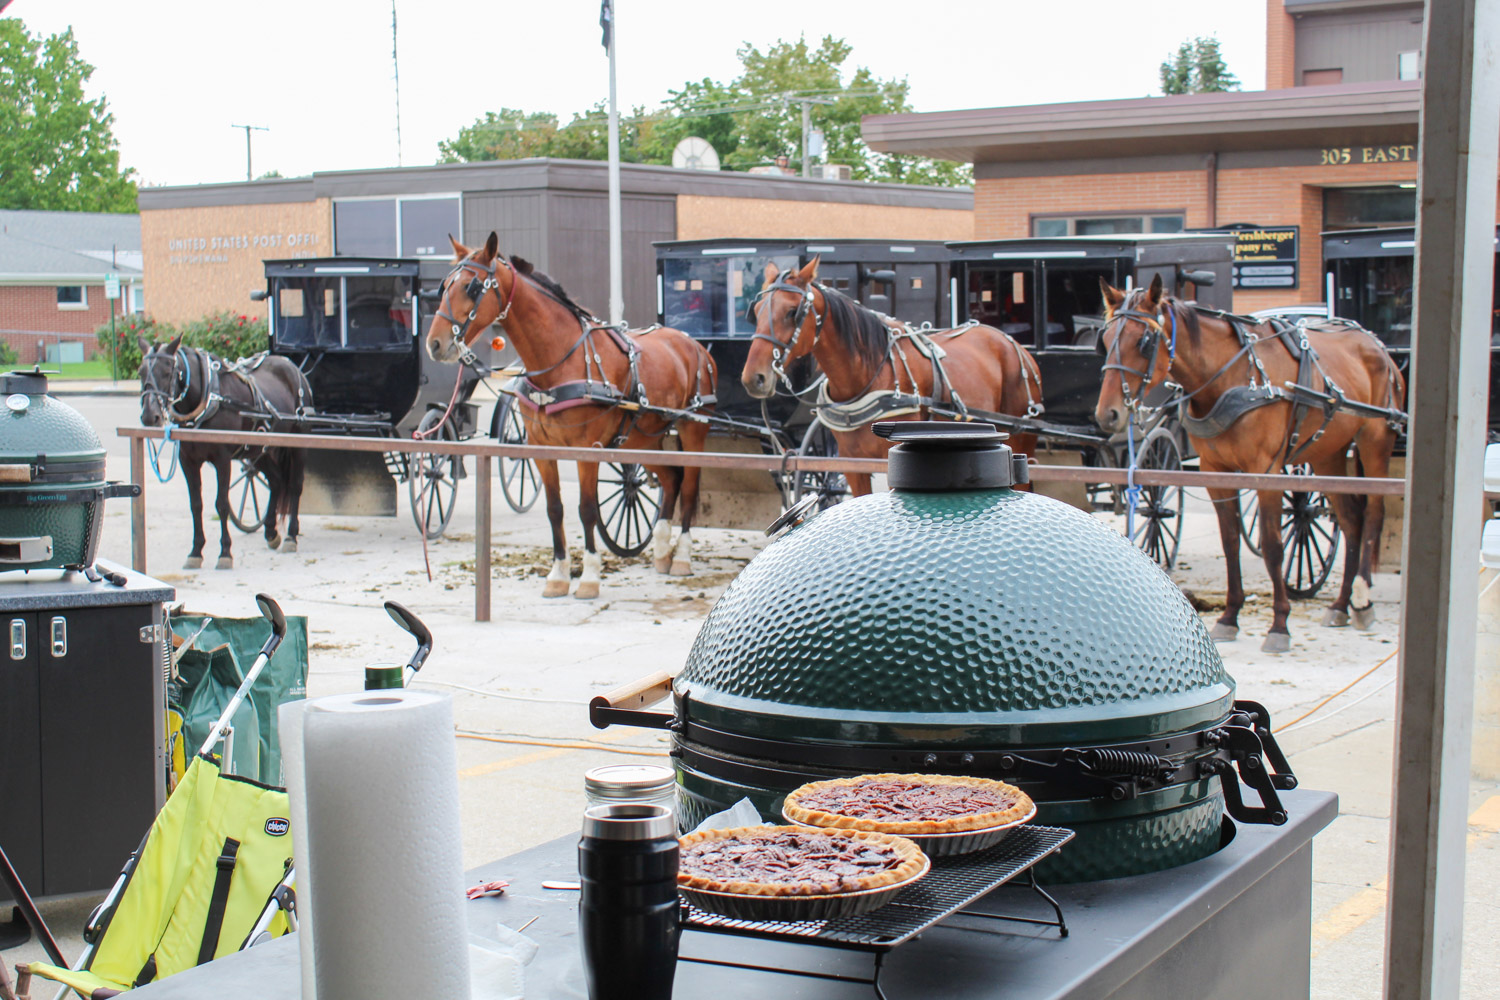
(628, 911)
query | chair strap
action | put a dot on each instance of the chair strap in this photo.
(148, 971)
(219, 901)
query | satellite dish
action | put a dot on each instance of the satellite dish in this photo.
(695, 153)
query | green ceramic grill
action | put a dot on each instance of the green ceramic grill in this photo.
(956, 625)
(51, 479)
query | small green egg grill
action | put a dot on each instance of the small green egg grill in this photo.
(52, 484)
(955, 625)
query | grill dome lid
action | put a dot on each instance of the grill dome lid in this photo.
(37, 425)
(953, 617)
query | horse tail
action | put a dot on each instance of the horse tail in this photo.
(290, 464)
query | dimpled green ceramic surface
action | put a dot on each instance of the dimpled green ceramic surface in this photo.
(970, 618)
(33, 427)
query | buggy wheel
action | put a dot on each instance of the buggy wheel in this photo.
(433, 482)
(819, 442)
(1250, 519)
(249, 498)
(1158, 509)
(518, 476)
(629, 500)
(1309, 539)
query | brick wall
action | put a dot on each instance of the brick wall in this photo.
(705, 217)
(1003, 207)
(1281, 47)
(29, 313)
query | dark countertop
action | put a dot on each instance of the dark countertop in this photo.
(47, 590)
(1118, 928)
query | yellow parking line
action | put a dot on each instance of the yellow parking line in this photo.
(1367, 903)
(509, 762)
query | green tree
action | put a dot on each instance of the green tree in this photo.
(1197, 67)
(749, 121)
(57, 148)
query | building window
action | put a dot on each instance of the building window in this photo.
(1408, 66)
(1368, 207)
(1321, 77)
(396, 227)
(1107, 225)
(72, 297)
(137, 298)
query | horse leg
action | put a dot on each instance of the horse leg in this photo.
(694, 438)
(670, 478)
(1375, 462)
(192, 474)
(274, 499)
(562, 571)
(859, 484)
(1279, 639)
(222, 471)
(1348, 512)
(588, 513)
(295, 464)
(1227, 509)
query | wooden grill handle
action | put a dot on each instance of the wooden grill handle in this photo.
(639, 693)
(15, 473)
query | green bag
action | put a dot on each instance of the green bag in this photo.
(208, 674)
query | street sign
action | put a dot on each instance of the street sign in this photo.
(111, 285)
(1265, 258)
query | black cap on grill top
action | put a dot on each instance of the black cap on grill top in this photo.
(943, 455)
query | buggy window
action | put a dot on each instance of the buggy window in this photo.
(1376, 292)
(307, 313)
(1005, 298)
(711, 296)
(1075, 305)
(379, 311)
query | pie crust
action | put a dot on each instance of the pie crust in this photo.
(794, 861)
(908, 804)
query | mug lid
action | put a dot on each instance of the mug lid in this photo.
(615, 778)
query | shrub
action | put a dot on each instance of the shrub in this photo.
(127, 329)
(229, 335)
(8, 355)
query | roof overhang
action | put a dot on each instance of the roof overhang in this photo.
(1297, 117)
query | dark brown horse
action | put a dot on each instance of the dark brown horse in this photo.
(193, 388)
(585, 386)
(1243, 368)
(865, 354)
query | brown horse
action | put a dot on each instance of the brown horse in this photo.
(586, 385)
(1243, 367)
(193, 388)
(863, 352)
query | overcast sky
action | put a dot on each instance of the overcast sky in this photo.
(318, 73)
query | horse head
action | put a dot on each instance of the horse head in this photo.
(787, 323)
(164, 379)
(471, 299)
(1130, 344)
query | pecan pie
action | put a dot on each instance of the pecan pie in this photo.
(794, 861)
(908, 804)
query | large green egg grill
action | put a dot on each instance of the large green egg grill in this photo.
(956, 625)
(52, 484)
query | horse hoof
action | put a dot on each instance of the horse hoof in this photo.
(1224, 633)
(587, 590)
(556, 588)
(290, 545)
(663, 565)
(225, 562)
(1277, 642)
(680, 568)
(273, 543)
(1334, 618)
(1364, 618)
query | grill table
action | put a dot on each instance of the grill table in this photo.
(1241, 916)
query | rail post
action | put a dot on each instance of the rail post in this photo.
(138, 505)
(482, 539)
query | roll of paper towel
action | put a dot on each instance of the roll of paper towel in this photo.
(373, 778)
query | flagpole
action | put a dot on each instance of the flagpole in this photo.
(616, 279)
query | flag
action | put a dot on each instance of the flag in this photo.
(606, 20)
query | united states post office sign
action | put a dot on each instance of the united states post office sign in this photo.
(1265, 258)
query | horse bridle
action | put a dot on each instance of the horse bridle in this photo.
(1149, 342)
(181, 371)
(782, 349)
(484, 279)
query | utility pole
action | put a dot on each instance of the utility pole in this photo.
(616, 277)
(807, 103)
(396, 63)
(249, 173)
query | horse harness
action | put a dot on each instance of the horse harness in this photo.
(594, 389)
(213, 399)
(1239, 400)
